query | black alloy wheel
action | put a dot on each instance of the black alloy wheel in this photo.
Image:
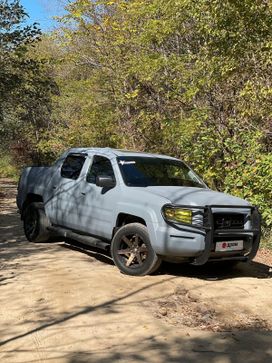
(132, 251)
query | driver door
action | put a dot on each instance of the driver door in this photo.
(97, 205)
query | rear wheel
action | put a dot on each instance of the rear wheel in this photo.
(132, 252)
(36, 223)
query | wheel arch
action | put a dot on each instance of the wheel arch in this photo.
(124, 218)
(31, 198)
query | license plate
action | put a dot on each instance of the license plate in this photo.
(229, 246)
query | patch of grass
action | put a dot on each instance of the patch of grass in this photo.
(7, 169)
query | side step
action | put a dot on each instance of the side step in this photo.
(90, 241)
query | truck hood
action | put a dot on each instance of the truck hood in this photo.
(195, 196)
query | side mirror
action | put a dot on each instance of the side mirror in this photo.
(105, 181)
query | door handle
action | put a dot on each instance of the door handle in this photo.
(54, 187)
(83, 193)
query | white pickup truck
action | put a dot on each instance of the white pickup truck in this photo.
(144, 207)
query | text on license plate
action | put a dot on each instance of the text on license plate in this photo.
(229, 246)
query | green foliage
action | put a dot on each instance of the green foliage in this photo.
(25, 86)
(14, 40)
(7, 169)
(266, 241)
(187, 78)
(252, 181)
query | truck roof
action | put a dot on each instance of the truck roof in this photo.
(116, 152)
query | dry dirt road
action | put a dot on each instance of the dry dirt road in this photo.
(64, 303)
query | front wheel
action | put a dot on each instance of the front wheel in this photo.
(36, 223)
(132, 252)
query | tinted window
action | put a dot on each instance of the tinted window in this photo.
(100, 166)
(147, 171)
(72, 166)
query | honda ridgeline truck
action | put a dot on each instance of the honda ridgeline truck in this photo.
(144, 208)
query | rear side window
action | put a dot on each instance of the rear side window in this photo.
(72, 166)
(101, 166)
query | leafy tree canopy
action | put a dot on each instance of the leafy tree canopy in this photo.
(24, 84)
(189, 78)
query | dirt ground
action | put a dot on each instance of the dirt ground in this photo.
(63, 302)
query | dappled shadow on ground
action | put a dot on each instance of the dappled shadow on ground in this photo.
(210, 271)
(217, 271)
(6, 280)
(98, 254)
(10, 228)
(220, 348)
(13, 244)
(106, 307)
(190, 346)
(7, 193)
(209, 348)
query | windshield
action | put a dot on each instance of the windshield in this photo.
(138, 171)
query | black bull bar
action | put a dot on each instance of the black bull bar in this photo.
(211, 233)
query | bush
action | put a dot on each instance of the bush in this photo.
(7, 170)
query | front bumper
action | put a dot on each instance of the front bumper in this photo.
(197, 243)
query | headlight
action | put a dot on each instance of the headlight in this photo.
(178, 215)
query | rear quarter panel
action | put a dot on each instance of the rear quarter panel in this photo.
(33, 180)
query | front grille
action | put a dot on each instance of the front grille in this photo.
(228, 220)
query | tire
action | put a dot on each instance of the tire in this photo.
(132, 252)
(36, 223)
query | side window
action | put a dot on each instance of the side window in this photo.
(72, 166)
(100, 166)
